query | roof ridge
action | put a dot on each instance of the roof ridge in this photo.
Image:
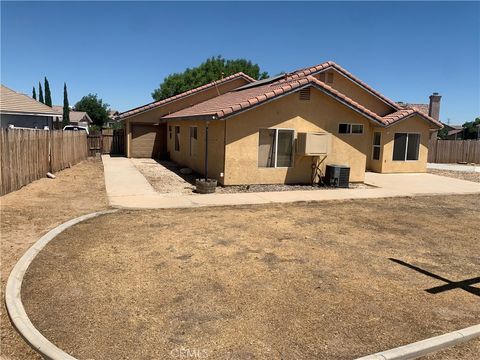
(156, 103)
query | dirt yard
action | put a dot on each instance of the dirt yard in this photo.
(469, 176)
(331, 280)
(29, 213)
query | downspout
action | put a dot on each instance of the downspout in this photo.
(206, 151)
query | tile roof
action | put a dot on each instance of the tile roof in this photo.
(13, 102)
(423, 108)
(239, 100)
(75, 116)
(155, 104)
(330, 64)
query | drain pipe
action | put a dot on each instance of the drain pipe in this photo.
(206, 151)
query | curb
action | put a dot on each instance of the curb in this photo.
(427, 346)
(13, 300)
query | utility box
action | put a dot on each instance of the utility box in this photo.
(337, 175)
(313, 143)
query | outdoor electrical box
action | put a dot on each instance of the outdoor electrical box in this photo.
(313, 143)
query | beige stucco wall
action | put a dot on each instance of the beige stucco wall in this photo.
(321, 113)
(154, 115)
(411, 125)
(197, 162)
(357, 93)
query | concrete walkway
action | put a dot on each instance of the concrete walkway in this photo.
(454, 167)
(128, 188)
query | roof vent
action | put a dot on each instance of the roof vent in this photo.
(305, 94)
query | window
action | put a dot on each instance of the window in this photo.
(193, 141)
(275, 147)
(170, 132)
(406, 146)
(177, 138)
(376, 145)
(350, 128)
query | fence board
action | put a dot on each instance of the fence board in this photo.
(108, 141)
(454, 151)
(27, 155)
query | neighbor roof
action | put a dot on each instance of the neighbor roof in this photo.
(75, 116)
(156, 104)
(237, 101)
(13, 102)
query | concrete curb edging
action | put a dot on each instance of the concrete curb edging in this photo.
(13, 300)
(427, 346)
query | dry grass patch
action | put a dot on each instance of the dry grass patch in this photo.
(298, 281)
(32, 211)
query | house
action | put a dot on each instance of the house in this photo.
(79, 118)
(253, 128)
(20, 110)
(455, 132)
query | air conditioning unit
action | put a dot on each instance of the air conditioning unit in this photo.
(313, 143)
(337, 175)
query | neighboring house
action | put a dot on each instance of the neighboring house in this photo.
(20, 110)
(256, 128)
(455, 132)
(79, 118)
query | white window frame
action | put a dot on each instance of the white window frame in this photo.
(276, 148)
(406, 145)
(350, 128)
(375, 146)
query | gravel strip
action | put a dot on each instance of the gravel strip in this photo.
(469, 176)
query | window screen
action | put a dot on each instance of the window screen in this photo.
(413, 146)
(406, 146)
(266, 148)
(344, 128)
(275, 148)
(399, 146)
(193, 141)
(285, 148)
(376, 145)
(177, 138)
(357, 129)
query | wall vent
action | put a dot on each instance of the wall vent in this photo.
(321, 77)
(305, 94)
(330, 78)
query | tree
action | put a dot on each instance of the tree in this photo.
(94, 107)
(40, 93)
(66, 107)
(48, 95)
(470, 129)
(34, 93)
(214, 68)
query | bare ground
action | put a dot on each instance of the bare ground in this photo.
(29, 213)
(298, 281)
(463, 175)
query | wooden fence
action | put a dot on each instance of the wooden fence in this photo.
(108, 141)
(27, 155)
(454, 151)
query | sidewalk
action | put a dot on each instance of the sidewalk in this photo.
(454, 167)
(128, 188)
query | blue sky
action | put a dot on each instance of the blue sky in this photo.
(123, 50)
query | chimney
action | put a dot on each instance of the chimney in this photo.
(434, 107)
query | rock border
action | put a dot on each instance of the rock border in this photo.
(427, 346)
(13, 299)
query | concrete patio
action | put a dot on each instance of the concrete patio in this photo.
(127, 188)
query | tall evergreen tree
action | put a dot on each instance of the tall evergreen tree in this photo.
(40, 93)
(34, 93)
(48, 95)
(66, 108)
